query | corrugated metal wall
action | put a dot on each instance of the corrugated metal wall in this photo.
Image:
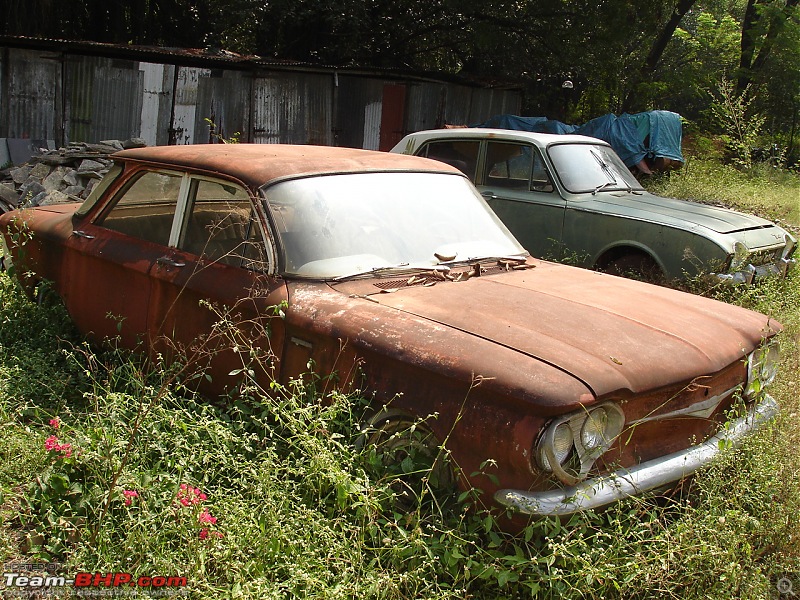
(74, 97)
(30, 100)
(158, 82)
(223, 98)
(292, 108)
(105, 98)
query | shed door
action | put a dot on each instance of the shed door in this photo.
(392, 116)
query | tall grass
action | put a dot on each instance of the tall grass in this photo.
(270, 495)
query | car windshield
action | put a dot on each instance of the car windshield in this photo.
(591, 168)
(344, 225)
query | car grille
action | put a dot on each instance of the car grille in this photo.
(669, 420)
(765, 257)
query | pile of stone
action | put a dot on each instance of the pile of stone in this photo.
(59, 176)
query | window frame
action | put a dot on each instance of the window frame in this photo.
(184, 205)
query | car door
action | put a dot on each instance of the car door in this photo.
(110, 254)
(517, 185)
(214, 299)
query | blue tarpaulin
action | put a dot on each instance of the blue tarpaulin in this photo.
(651, 134)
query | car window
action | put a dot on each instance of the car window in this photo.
(99, 189)
(220, 225)
(335, 225)
(517, 167)
(461, 154)
(590, 168)
(145, 208)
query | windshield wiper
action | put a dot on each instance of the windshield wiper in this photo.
(603, 186)
(401, 267)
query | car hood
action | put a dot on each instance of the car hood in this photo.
(681, 212)
(610, 333)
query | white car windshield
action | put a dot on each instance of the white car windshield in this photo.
(343, 225)
(591, 168)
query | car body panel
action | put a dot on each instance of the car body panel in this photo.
(489, 350)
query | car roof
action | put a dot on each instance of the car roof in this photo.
(541, 139)
(259, 164)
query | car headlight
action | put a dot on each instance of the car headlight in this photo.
(740, 255)
(788, 249)
(762, 366)
(560, 447)
(570, 445)
(595, 429)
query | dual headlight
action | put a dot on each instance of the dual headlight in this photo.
(571, 444)
(740, 255)
(788, 249)
(762, 366)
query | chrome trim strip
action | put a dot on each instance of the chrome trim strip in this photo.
(651, 475)
(700, 410)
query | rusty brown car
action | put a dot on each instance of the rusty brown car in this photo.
(392, 272)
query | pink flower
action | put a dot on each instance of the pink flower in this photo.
(189, 496)
(51, 444)
(129, 496)
(55, 423)
(207, 517)
(205, 532)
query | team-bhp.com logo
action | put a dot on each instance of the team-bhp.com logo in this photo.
(17, 576)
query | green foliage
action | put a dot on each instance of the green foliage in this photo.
(740, 126)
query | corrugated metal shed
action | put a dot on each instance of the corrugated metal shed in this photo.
(71, 91)
(293, 109)
(157, 93)
(425, 106)
(223, 97)
(30, 100)
(105, 98)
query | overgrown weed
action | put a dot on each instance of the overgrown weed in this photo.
(272, 495)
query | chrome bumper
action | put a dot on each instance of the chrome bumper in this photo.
(651, 475)
(752, 273)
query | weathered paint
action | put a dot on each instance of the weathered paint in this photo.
(31, 101)
(292, 110)
(184, 115)
(105, 99)
(113, 98)
(358, 112)
(393, 108)
(493, 356)
(157, 82)
(223, 97)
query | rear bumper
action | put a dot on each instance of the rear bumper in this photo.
(651, 475)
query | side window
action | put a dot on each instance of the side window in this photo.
(508, 165)
(516, 166)
(145, 208)
(220, 225)
(463, 155)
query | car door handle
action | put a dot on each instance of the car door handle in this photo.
(83, 235)
(489, 195)
(168, 262)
